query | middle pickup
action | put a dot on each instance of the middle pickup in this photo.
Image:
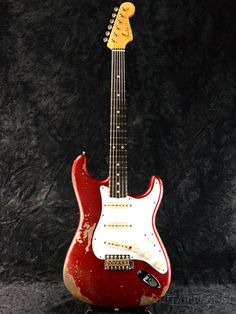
(118, 225)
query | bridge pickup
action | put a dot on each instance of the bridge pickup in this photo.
(118, 262)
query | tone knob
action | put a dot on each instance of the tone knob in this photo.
(109, 27)
(107, 33)
(116, 9)
(113, 15)
(112, 21)
(105, 39)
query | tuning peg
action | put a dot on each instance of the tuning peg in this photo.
(116, 9)
(108, 33)
(113, 15)
(105, 39)
(109, 27)
(112, 21)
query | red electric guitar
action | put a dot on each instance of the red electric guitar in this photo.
(116, 258)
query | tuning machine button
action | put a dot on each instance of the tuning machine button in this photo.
(112, 21)
(113, 15)
(109, 27)
(105, 39)
(116, 9)
(107, 33)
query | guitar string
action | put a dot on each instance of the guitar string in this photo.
(114, 148)
(117, 124)
(121, 124)
(113, 104)
(122, 142)
(119, 188)
(117, 95)
(115, 129)
(110, 152)
(125, 134)
(124, 125)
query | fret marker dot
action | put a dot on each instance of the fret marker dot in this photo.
(113, 147)
(118, 126)
(118, 183)
(118, 174)
(122, 147)
(118, 111)
(118, 95)
(118, 165)
(118, 76)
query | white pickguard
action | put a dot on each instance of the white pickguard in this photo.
(125, 227)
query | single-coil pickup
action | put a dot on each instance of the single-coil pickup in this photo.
(118, 205)
(118, 245)
(118, 225)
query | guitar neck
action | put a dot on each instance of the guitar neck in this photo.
(118, 181)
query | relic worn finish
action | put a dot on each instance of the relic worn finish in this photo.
(84, 273)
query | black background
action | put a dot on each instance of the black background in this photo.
(54, 103)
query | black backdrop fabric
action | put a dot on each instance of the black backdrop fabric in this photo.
(54, 103)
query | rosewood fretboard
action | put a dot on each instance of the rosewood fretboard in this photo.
(118, 138)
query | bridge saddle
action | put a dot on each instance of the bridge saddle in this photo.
(118, 262)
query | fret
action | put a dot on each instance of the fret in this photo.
(121, 160)
(116, 98)
(121, 138)
(120, 116)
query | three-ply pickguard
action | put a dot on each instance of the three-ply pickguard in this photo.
(127, 227)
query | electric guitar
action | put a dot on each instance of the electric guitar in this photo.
(116, 258)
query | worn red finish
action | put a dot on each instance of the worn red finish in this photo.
(84, 273)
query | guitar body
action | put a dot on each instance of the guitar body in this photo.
(116, 258)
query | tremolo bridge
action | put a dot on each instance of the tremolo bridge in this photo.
(118, 262)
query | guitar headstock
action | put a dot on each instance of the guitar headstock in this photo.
(119, 32)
